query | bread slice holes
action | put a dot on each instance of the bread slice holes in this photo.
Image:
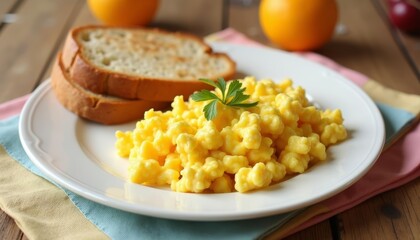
(181, 73)
(106, 61)
(85, 37)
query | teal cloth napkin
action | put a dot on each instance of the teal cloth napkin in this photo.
(118, 224)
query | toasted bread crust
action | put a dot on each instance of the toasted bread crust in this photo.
(103, 81)
(97, 108)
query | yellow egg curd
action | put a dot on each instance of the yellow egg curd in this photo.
(241, 149)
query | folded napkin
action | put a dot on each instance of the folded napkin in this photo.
(44, 210)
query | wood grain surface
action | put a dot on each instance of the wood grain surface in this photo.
(367, 42)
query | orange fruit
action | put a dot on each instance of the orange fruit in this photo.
(124, 12)
(298, 25)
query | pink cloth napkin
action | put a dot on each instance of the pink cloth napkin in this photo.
(12, 107)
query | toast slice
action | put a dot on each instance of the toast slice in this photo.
(140, 63)
(96, 107)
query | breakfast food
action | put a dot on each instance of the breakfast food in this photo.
(113, 75)
(140, 63)
(240, 149)
(96, 107)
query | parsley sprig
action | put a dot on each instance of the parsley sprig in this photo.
(233, 96)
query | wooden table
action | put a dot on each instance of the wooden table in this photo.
(34, 30)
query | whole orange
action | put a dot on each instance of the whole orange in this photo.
(298, 25)
(124, 12)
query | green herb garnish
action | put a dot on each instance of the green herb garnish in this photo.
(234, 96)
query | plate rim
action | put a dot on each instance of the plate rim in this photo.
(45, 87)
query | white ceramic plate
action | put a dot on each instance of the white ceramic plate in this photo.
(80, 155)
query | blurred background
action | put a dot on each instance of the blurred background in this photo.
(364, 39)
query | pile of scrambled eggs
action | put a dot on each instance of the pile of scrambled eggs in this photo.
(242, 149)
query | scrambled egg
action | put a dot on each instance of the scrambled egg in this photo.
(242, 149)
